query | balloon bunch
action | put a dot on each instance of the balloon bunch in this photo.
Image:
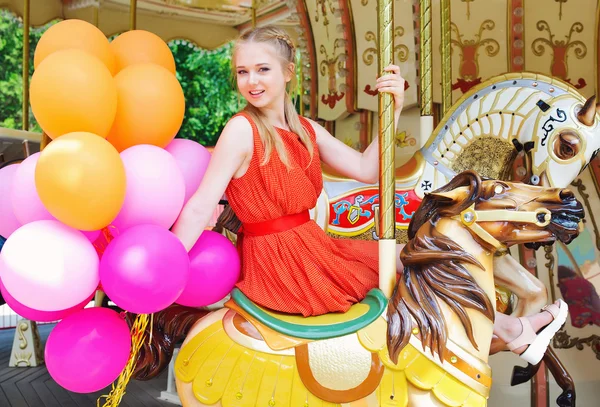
(113, 177)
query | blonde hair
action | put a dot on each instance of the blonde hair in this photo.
(286, 51)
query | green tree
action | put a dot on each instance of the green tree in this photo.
(11, 69)
(207, 85)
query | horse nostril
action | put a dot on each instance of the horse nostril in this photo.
(565, 195)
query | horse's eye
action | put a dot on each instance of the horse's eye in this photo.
(567, 145)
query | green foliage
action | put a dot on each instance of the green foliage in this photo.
(209, 95)
(11, 70)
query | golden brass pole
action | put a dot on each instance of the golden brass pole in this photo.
(300, 84)
(387, 152)
(253, 12)
(132, 14)
(446, 60)
(26, 24)
(425, 62)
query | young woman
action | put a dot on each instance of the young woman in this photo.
(268, 161)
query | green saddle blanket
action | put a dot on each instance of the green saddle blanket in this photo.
(319, 327)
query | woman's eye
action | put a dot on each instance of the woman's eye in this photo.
(241, 72)
(264, 69)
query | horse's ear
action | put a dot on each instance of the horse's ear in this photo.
(453, 196)
(588, 111)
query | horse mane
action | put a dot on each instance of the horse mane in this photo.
(434, 270)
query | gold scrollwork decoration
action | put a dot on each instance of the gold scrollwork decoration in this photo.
(22, 340)
(23, 359)
(468, 7)
(401, 49)
(538, 49)
(364, 2)
(370, 53)
(469, 68)
(562, 340)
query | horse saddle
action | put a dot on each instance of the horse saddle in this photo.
(315, 328)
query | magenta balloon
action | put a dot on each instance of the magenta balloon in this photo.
(155, 188)
(192, 159)
(25, 200)
(91, 236)
(214, 270)
(37, 315)
(144, 269)
(8, 221)
(87, 350)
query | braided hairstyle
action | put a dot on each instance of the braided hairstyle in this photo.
(285, 49)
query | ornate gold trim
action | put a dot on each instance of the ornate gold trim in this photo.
(562, 340)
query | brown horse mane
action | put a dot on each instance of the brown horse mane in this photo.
(434, 270)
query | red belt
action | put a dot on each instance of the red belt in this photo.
(275, 225)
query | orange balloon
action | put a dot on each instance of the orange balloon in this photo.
(77, 34)
(141, 47)
(80, 179)
(73, 91)
(150, 108)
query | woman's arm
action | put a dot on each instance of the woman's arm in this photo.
(363, 167)
(233, 150)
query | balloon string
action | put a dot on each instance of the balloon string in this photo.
(151, 328)
(138, 330)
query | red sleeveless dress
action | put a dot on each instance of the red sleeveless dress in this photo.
(299, 270)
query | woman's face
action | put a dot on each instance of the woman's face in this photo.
(261, 78)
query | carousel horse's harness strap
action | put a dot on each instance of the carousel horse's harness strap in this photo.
(319, 327)
(277, 225)
(469, 217)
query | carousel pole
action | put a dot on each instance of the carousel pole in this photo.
(426, 70)
(26, 25)
(253, 13)
(387, 154)
(446, 60)
(132, 14)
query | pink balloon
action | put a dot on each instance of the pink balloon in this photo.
(8, 221)
(214, 270)
(25, 200)
(144, 269)
(88, 350)
(36, 315)
(48, 266)
(155, 188)
(192, 159)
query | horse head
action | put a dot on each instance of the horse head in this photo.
(493, 214)
(563, 138)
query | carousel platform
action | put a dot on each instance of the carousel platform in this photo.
(33, 387)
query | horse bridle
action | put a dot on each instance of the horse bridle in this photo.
(470, 217)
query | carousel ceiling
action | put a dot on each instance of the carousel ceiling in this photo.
(207, 23)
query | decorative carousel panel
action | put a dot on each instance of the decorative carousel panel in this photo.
(573, 273)
(330, 49)
(348, 130)
(478, 44)
(560, 41)
(364, 15)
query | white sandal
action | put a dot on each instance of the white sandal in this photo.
(538, 343)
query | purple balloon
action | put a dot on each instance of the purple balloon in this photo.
(26, 202)
(155, 188)
(192, 159)
(144, 269)
(88, 350)
(214, 270)
(37, 315)
(8, 221)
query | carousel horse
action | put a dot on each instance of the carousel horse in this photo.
(544, 119)
(541, 120)
(428, 345)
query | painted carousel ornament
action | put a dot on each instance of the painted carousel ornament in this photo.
(428, 345)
